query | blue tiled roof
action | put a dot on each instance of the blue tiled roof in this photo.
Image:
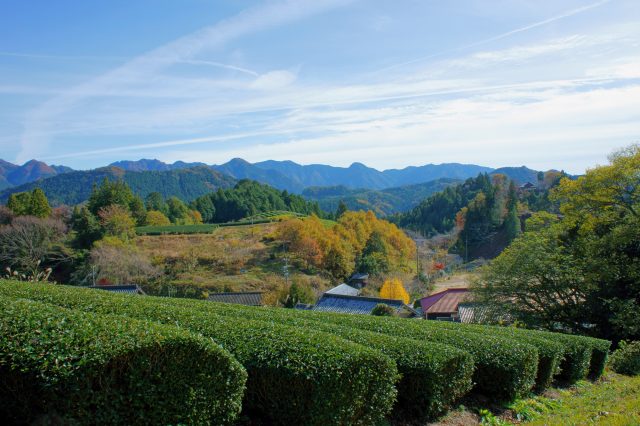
(253, 298)
(125, 289)
(355, 304)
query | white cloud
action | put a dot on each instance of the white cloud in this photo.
(273, 80)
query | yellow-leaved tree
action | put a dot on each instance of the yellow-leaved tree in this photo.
(393, 289)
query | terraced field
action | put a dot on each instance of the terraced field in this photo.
(74, 347)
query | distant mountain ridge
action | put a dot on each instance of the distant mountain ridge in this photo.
(14, 175)
(386, 192)
(383, 202)
(75, 187)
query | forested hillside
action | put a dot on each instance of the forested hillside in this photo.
(483, 214)
(75, 187)
(382, 202)
(249, 198)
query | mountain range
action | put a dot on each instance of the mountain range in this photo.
(360, 186)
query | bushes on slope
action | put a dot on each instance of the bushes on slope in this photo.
(294, 376)
(433, 375)
(59, 366)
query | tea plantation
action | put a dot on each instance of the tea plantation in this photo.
(71, 355)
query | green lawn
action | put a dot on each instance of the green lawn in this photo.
(614, 400)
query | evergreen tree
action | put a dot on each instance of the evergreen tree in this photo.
(86, 226)
(39, 205)
(342, 209)
(20, 203)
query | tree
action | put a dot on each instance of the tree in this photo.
(117, 222)
(39, 205)
(393, 289)
(580, 272)
(20, 203)
(86, 226)
(122, 264)
(110, 193)
(156, 218)
(155, 201)
(6, 215)
(178, 212)
(298, 293)
(29, 244)
(342, 209)
(374, 259)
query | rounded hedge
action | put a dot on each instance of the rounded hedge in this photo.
(434, 375)
(59, 366)
(294, 376)
(550, 352)
(505, 369)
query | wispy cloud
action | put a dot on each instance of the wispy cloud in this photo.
(501, 36)
(185, 48)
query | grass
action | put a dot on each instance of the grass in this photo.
(176, 229)
(614, 401)
(237, 258)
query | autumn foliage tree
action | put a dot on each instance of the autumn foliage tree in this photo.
(357, 241)
(393, 289)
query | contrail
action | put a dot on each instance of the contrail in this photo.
(122, 58)
(501, 36)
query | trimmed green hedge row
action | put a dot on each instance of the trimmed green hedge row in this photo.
(550, 352)
(59, 366)
(505, 369)
(584, 356)
(294, 376)
(434, 375)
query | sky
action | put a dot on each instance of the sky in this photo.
(547, 84)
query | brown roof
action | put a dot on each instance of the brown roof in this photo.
(449, 300)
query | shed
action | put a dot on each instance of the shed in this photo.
(124, 289)
(249, 298)
(360, 305)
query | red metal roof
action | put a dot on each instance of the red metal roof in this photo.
(445, 302)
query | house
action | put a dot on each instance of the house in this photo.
(250, 298)
(345, 304)
(345, 290)
(358, 280)
(124, 289)
(445, 305)
(527, 186)
(470, 312)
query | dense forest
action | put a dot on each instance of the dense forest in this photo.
(484, 213)
(382, 202)
(248, 198)
(577, 271)
(75, 187)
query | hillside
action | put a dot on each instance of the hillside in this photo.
(15, 175)
(382, 202)
(75, 187)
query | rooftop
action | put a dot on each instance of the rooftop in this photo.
(356, 304)
(445, 302)
(250, 298)
(125, 289)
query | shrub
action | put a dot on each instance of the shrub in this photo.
(382, 310)
(505, 369)
(294, 376)
(550, 352)
(433, 375)
(626, 359)
(59, 366)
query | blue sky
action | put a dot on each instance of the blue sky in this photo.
(549, 84)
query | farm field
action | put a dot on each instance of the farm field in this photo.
(238, 258)
(388, 360)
